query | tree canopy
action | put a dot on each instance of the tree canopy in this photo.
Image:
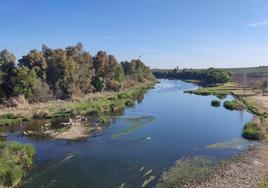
(63, 73)
(209, 76)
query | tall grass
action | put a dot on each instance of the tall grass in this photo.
(15, 160)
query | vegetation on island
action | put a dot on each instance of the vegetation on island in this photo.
(233, 105)
(215, 103)
(15, 160)
(251, 131)
(255, 129)
(209, 76)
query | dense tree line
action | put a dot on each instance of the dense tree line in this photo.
(63, 73)
(209, 76)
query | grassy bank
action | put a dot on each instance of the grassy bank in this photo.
(258, 128)
(15, 160)
(97, 103)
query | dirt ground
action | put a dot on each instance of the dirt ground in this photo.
(261, 100)
(245, 171)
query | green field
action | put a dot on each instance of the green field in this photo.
(262, 70)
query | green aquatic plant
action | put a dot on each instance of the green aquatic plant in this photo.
(127, 131)
(186, 171)
(231, 144)
(15, 160)
(215, 103)
(135, 122)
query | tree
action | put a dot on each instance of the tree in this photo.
(6, 57)
(35, 60)
(119, 73)
(83, 70)
(24, 81)
(7, 67)
(110, 68)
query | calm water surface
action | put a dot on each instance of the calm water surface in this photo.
(167, 125)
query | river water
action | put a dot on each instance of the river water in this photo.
(165, 126)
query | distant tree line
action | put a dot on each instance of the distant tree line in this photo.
(62, 73)
(209, 76)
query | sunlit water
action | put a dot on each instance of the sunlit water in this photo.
(167, 125)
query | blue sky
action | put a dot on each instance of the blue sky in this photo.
(166, 33)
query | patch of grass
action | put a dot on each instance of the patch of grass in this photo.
(10, 119)
(103, 120)
(222, 90)
(251, 131)
(185, 172)
(62, 114)
(215, 103)
(15, 160)
(99, 104)
(254, 108)
(221, 96)
(233, 105)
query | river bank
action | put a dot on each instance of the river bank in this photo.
(16, 158)
(96, 103)
(243, 171)
(250, 168)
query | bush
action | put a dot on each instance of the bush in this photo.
(233, 105)
(99, 84)
(113, 86)
(251, 131)
(41, 92)
(216, 103)
(9, 119)
(15, 160)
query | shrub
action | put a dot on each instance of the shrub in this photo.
(9, 119)
(113, 86)
(215, 103)
(15, 160)
(251, 131)
(233, 105)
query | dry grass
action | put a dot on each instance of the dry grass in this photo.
(59, 105)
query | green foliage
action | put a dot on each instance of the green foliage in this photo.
(251, 131)
(209, 76)
(215, 103)
(24, 81)
(65, 73)
(233, 105)
(119, 73)
(15, 160)
(136, 70)
(9, 119)
(35, 60)
(99, 84)
(8, 72)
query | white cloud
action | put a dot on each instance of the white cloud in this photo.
(263, 23)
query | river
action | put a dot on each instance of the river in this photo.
(165, 126)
